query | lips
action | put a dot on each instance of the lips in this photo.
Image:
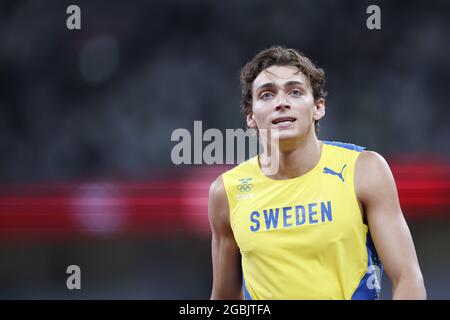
(283, 120)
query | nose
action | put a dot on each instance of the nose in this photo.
(281, 102)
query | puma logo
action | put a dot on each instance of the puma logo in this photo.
(332, 172)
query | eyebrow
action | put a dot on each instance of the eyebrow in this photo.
(271, 85)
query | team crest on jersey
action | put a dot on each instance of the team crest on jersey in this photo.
(244, 189)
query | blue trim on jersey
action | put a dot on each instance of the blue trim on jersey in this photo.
(350, 146)
(370, 285)
(244, 288)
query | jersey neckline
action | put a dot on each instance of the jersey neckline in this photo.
(314, 169)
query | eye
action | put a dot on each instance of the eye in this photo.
(266, 95)
(295, 93)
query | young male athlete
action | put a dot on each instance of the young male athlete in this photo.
(303, 232)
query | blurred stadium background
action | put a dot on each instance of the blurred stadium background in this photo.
(86, 118)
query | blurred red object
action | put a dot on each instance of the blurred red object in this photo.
(173, 205)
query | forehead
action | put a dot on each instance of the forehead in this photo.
(278, 75)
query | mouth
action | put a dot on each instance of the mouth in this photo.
(283, 121)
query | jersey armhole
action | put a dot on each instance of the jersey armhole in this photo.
(358, 202)
(228, 194)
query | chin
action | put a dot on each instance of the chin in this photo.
(286, 135)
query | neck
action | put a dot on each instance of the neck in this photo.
(291, 162)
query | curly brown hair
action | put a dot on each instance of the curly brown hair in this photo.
(280, 56)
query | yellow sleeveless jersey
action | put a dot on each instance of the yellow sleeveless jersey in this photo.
(304, 237)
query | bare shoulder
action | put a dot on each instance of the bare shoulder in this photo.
(217, 193)
(371, 160)
(218, 208)
(217, 187)
(372, 174)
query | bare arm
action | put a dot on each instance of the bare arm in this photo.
(377, 192)
(226, 259)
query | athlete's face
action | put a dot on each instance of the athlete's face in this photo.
(283, 99)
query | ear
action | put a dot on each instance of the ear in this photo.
(251, 121)
(319, 109)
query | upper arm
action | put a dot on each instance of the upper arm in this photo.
(225, 252)
(377, 192)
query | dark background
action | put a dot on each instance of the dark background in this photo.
(88, 114)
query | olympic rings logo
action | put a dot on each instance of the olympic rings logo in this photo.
(245, 187)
